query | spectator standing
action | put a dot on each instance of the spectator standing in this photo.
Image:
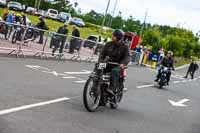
(5, 14)
(161, 53)
(10, 18)
(192, 69)
(63, 31)
(23, 18)
(42, 26)
(74, 40)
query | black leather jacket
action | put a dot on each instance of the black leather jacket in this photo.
(118, 53)
(168, 62)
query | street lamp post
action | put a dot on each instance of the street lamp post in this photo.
(113, 13)
(104, 19)
(143, 25)
(38, 7)
(35, 6)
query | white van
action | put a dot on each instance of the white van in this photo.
(3, 3)
(64, 17)
(52, 14)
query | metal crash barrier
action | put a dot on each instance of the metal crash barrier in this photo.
(26, 41)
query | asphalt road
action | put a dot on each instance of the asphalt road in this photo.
(43, 96)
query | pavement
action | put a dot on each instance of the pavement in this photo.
(45, 96)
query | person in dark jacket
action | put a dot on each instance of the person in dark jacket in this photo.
(41, 25)
(118, 52)
(192, 69)
(74, 41)
(23, 18)
(61, 38)
(166, 62)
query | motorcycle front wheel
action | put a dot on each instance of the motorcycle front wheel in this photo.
(91, 95)
(14, 37)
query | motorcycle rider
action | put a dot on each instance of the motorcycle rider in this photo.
(166, 62)
(118, 52)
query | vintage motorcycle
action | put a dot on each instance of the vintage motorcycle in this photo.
(95, 91)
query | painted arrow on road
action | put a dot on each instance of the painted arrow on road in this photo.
(179, 103)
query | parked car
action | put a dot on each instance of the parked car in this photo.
(15, 6)
(3, 3)
(92, 42)
(52, 14)
(64, 17)
(78, 22)
(40, 13)
(30, 10)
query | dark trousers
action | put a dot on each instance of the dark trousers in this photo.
(41, 34)
(115, 75)
(191, 73)
(61, 43)
(73, 45)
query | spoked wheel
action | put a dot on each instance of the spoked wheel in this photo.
(120, 94)
(118, 97)
(91, 95)
(8, 33)
(14, 37)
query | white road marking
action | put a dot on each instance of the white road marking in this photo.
(86, 72)
(69, 77)
(145, 86)
(54, 73)
(36, 67)
(195, 79)
(184, 81)
(176, 82)
(83, 81)
(16, 109)
(179, 103)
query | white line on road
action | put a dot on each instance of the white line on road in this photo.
(145, 86)
(86, 72)
(69, 77)
(195, 79)
(54, 73)
(184, 81)
(36, 67)
(176, 82)
(8, 111)
(83, 81)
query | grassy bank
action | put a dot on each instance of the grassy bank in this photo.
(54, 25)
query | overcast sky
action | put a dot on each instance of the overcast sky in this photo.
(165, 12)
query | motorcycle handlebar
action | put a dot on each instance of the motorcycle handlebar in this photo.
(113, 63)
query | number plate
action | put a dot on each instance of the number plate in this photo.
(165, 69)
(102, 65)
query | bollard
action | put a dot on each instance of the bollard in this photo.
(145, 59)
(155, 60)
(153, 66)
